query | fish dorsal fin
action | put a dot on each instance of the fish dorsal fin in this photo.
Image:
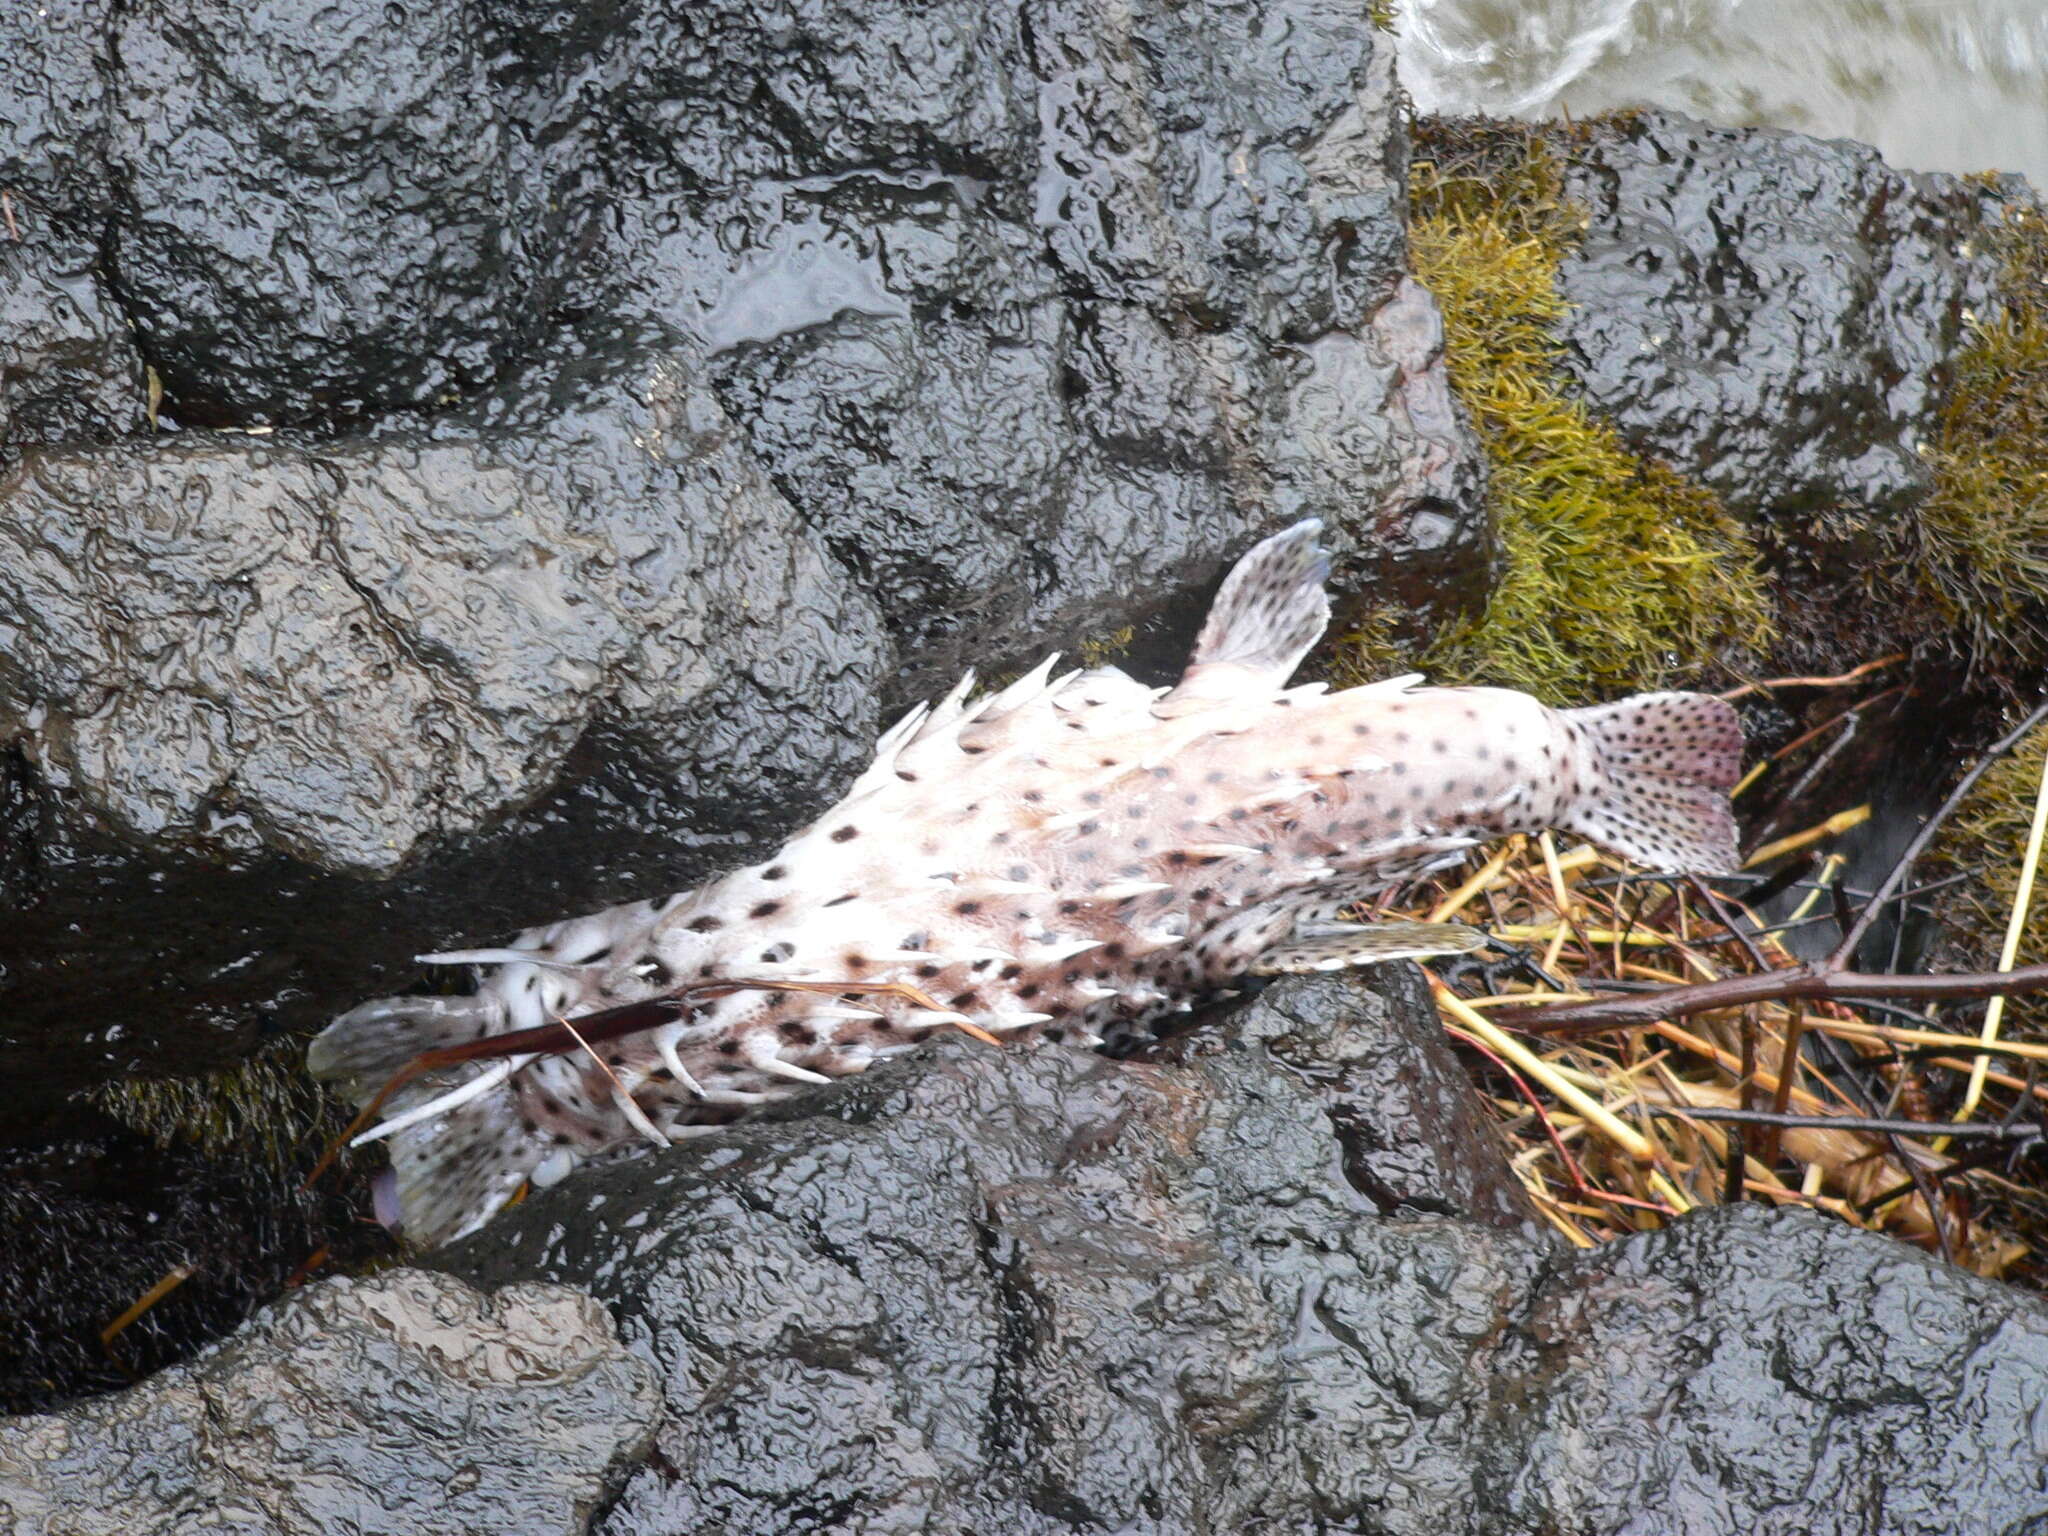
(1270, 610)
(1271, 607)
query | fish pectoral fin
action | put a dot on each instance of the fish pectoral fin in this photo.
(1336, 946)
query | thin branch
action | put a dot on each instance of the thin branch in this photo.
(1933, 824)
(1984, 1157)
(1814, 682)
(2025, 1134)
(1802, 982)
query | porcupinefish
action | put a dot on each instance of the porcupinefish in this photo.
(1069, 859)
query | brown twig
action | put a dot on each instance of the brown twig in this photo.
(1802, 982)
(2024, 1134)
(1906, 860)
(1814, 682)
(1581, 1186)
(1997, 1152)
(176, 1276)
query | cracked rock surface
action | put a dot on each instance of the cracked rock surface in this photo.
(407, 1403)
(575, 435)
(1774, 314)
(1278, 1280)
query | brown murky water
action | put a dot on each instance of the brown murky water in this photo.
(1953, 85)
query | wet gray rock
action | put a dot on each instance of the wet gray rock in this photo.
(1041, 318)
(764, 369)
(321, 209)
(1021, 341)
(68, 364)
(340, 649)
(1774, 314)
(1278, 1279)
(55, 65)
(1776, 1372)
(406, 1403)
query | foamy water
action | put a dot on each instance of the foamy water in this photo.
(1957, 85)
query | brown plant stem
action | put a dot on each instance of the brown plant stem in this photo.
(1797, 982)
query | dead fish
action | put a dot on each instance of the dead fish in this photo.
(1068, 859)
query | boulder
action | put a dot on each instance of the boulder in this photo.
(1279, 1279)
(406, 1403)
(1773, 314)
(337, 650)
(69, 369)
(578, 433)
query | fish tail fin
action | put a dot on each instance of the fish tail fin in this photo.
(1656, 773)
(458, 1167)
(1271, 607)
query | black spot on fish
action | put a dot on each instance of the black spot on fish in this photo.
(840, 901)
(596, 955)
(1010, 972)
(766, 909)
(845, 834)
(705, 924)
(968, 908)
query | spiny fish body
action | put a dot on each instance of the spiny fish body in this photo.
(1069, 859)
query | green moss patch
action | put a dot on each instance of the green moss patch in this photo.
(1980, 545)
(263, 1113)
(1987, 838)
(1619, 573)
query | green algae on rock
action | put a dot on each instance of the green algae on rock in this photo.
(1978, 546)
(1620, 572)
(261, 1113)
